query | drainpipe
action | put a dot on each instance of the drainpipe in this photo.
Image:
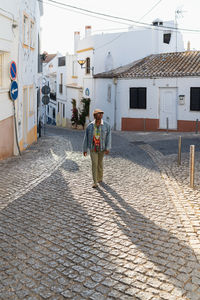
(16, 135)
(115, 103)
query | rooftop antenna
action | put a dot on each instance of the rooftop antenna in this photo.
(178, 14)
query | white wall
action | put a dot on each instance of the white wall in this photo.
(50, 67)
(126, 47)
(11, 45)
(153, 86)
(109, 51)
(62, 96)
(101, 99)
(153, 89)
(28, 62)
(9, 49)
(72, 69)
(184, 112)
(72, 93)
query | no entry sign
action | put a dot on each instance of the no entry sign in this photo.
(13, 70)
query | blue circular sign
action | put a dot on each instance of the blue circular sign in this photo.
(14, 90)
(13, 70)
(87, 92)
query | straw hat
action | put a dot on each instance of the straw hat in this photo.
(97, 111)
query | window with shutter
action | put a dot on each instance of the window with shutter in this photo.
(137, 98)
(166, 38)
(87, 65)
(32, 34)
(195, 98)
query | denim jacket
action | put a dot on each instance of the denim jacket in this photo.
(105, 137)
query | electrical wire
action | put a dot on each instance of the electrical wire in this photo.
(8, 12)
(110, 41)
(111, 29)
(147, 26)
(119, 18)
(85, 14)
(150, 10)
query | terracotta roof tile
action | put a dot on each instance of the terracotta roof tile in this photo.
(176, 64)
(49, 58)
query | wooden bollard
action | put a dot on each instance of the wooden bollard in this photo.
(179, 151)
(167, 124)
(192, 153)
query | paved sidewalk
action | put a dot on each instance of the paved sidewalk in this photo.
(135, 237)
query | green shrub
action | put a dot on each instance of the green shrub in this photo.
(85, 111)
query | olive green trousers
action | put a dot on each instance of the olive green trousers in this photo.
(97, 165)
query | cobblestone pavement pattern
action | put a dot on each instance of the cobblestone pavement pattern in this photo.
(135, 237)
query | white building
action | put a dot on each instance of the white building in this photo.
(50, 71)
(158, 92)
(103, 52)
(61, 92)
(19, 42)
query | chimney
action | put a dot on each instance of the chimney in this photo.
(88, 30)
(188, 46)
(76, 40)
(157, 22)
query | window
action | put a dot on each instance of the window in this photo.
(31, 101)
(61, 83)
(54, 113)
(109, 93)
(87, 65)
(26, 30)
(138, 98)
(63, 110)
(32, 34)
(195, 98)
(61, 61)
(166, 38)
(1, 69)
(74, 69)
(58, 107)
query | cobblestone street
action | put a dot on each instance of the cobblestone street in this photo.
(137, 236)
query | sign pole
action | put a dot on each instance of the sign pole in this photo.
(192, 153)
(179, 151)
(16, 135)
(44, 118)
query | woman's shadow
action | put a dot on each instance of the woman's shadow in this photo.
(170, 256)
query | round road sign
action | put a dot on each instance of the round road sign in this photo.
(13, 70)
(45, 89)
(14, 90)
(45, 100)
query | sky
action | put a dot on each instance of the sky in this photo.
(59, 24)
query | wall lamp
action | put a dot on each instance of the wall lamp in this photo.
(82, 62)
